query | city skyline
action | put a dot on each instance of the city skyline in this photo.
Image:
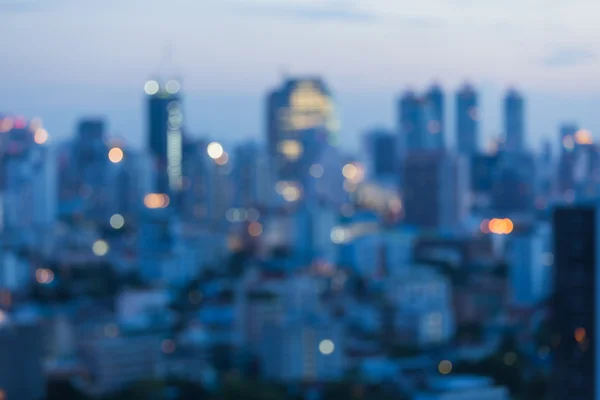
(50, 74)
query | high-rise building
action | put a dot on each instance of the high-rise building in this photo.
(27, 182)
(435, 190)
(300, 107)
(419, 126)
(527, 269)
(383, 153)
(467, 115)
(575, 303)
(513, 183)
(435, 98)
(252, 176)
(165, 119)
(194, 195)
(91, 163)
(514, 121)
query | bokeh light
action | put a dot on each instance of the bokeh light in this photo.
(172, 86)
(349, 171)
(445, 367)
(100, 247)
(326, 347)
(255, 229)
(44, 275)
(290, 193)
(40, 136)
(316, 170)
(168, 346)
(214, 150)
(156, 200)
(499, 226)
(115, 155)
(151, 87)
(580, 334)
(117, 221)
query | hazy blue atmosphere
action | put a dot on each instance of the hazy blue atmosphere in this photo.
(63, 59)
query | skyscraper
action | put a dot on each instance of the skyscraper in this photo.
(251, 174)
(436, 126)
(467, 116)
(513, 183)
(91, 155)
(575, 303)
(300, 113)
(297, 106)
(514, 121)
(165, 118)
(567, 158)
(383, 154)
(435, 185)
(419, 122)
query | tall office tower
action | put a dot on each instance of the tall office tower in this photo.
(165, 119)
(467, 115)
(91, 163)
(195, 195)
(220, 191)
(435, 190)
(575, 304)
(251, 176)
(419, 129)
(27, 182)
(513, 183)
(437, 126)
(567, 158)
(547, 174)
(125, 184)
(383, 155)
(514, 121)
(156, 239)
(299, 112)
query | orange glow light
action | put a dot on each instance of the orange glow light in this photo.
(6, 125)
(255, 229)
(40, 136)
(156, 200)
(115, 155)
(501, 226)
(583, 136)
(579, 334)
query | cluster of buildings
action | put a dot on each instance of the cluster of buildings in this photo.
(293, 260)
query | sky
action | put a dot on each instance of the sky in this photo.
(65, 59)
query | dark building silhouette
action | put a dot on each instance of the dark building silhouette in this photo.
(514, 121)
(434, 189)
(437, 126)
(383, 153)
(420, 121)
(467, 116)
(574, 305)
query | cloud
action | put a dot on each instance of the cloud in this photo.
(329, 11)
(569, 56)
